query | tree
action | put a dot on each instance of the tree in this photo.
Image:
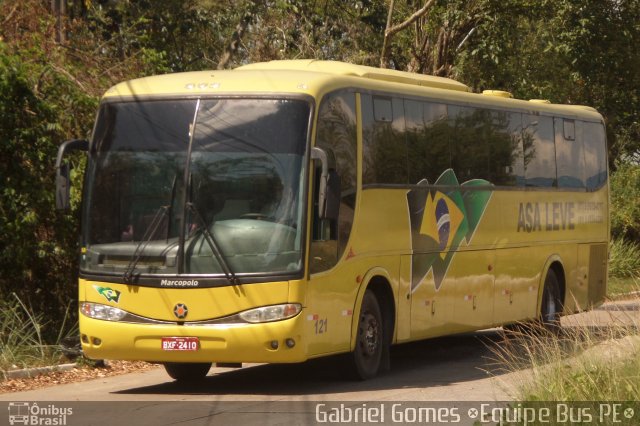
(565, 51)
(431, 38)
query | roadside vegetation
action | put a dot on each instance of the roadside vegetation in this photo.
(624, 250)
(22, 342)
(581, 364)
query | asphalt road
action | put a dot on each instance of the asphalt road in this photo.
(451, 369)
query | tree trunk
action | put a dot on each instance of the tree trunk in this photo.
(59, 9)
(391, 30)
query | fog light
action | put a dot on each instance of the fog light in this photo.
(274, 344)
(85, 338)
(97, 341)
(290, 343)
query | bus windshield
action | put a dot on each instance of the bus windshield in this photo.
(196, 187)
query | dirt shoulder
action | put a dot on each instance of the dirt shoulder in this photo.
(78, 374)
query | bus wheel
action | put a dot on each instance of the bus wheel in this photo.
(551, 307)
(370, 340)
(186, 371)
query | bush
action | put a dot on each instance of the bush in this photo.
(39, 108)
(21, 341)
(625, 204)
(624, 259)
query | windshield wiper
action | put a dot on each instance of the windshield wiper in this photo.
(149, 233)
(213, 244)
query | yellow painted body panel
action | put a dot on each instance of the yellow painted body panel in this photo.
(494, 276)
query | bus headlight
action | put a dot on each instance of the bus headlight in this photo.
(271, 313)
(102, 312)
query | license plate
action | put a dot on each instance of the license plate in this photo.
(180, 343)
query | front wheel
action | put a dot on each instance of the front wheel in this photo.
(187, 372)
(370, 341)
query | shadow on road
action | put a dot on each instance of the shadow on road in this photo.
(435, 362)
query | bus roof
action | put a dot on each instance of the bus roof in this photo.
(314, 78)
(342, 68)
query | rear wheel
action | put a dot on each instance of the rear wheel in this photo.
(550, 310)
(370, 340)
(551, 306)
(187, 372)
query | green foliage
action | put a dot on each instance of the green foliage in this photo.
(625, 201)
(622, 288)
(589, 381)
(565, 51)
(624, 259)
(40, 106)
(22, 343)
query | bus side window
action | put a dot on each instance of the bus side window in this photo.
(428, 139)
(506, 163)
(595, 155)
(336, 135)
(539, 150)
(384, 143)
(470, 145)
(569, 153)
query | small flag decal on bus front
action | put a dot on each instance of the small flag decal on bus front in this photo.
(110, 294)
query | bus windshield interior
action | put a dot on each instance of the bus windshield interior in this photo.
(172, 182)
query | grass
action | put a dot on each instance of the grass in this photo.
(624, 259)
(577, 367)
(620, 288)
(624, 268)
(22, 343)
(582, 363)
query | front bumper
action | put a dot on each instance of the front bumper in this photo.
(230, 343)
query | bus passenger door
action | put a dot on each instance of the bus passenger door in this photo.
(332, 284)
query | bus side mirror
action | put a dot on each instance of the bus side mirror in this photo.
(62, 187)
(63, 175)
(329, 192)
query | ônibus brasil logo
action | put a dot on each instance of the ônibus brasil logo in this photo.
(27, 413)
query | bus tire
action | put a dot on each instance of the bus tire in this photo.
(187, 371)
(551, 305)
(370, 339)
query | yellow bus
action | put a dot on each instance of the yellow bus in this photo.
(289, 210)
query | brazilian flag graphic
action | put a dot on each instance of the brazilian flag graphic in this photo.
(443, 216)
